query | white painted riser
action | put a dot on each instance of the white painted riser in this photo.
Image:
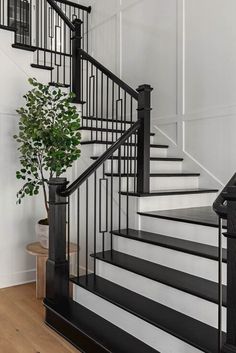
(155, 203)
(86, 136)
(185, 303)
(195, 265)
(155, 166)
(165, 183)
(135, 326)
(182, 230)
(99, 149)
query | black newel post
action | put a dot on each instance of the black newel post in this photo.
(144, 115)
(57, 267)
(76, 60)
(230, 346)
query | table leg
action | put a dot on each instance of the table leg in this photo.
(40, 281)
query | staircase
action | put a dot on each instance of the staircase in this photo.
(152, 266)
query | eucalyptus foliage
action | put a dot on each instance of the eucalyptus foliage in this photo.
(48, 138)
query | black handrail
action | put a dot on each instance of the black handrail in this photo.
(61, 14)
(104, 157)
(109, 74)
(78, 6)
(219, 204)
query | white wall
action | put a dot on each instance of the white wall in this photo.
(186, 50)
(16, 222)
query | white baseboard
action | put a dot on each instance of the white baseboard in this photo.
(17, 278)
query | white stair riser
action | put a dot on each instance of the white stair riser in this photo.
(185, 303)
(178, 260)
(167, 202)
(155, 166)
(99, 149)
(135, 326)
(88, 135)
(182, 230)
(165, 183)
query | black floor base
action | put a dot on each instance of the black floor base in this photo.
(90, 333)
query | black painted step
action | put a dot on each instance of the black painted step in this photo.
(171, 192)
(89, 332)
(204, 216)
(160, 159)
(104, 121)
(104, 129)
(24, 47)
(189, 330)
(8, 28)
(182, 281)
(42, 67)
(58, 84)
(158, 175)
(185, 246)
(99, 142)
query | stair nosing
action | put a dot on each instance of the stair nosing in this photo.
(24, 47)
(163, 268)
(99, 142)
(137, 313)
(173, 246)
(170, 192)
(42, 67)
(156, 175)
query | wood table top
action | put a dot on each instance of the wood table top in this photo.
(36, 249)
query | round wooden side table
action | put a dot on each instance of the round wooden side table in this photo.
(41, 255)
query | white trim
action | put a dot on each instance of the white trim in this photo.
(17, 278)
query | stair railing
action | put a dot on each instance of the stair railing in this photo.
(225, 207)
(48, 27)
(98, 202)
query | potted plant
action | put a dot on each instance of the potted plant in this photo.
(49, 140)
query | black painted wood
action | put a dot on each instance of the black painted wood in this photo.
(89, 332)
(76, 61)
(58, 84)
(8, 28)
(182, 281)
(107, 142)
(171, 192)
(204, 216)
(57, 267)
(185, 246)
(158, 175)
(24, 47)
(231, 269)
(143, 156)
(42, 67)
(92, 118)
(159, 159)
(187, 329)
(104, 129)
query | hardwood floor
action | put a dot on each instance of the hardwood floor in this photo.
(22, 329)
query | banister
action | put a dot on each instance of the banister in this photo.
(109, 74)
(104, 157)
(78, 6)
(218, 205)
(61, 14)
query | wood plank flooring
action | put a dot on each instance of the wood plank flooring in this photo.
(22, 328)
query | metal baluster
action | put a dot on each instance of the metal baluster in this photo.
(119, 188)
(68, 233)
(87, 225)
(107, 110)
(101, 106)
(220, 292)
(78, 232)
(95, 221)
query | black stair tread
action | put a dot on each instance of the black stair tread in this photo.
(43, 67)
(186, 246)
(58, 84)
(197, 215)
(156, 175)
(99, 142)
(24, 47)
(182, 281)
(171, 192)
(107, 335)
(104, 129)
(104, 121)
(160, 159)
(192, 331)
(8, 28)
